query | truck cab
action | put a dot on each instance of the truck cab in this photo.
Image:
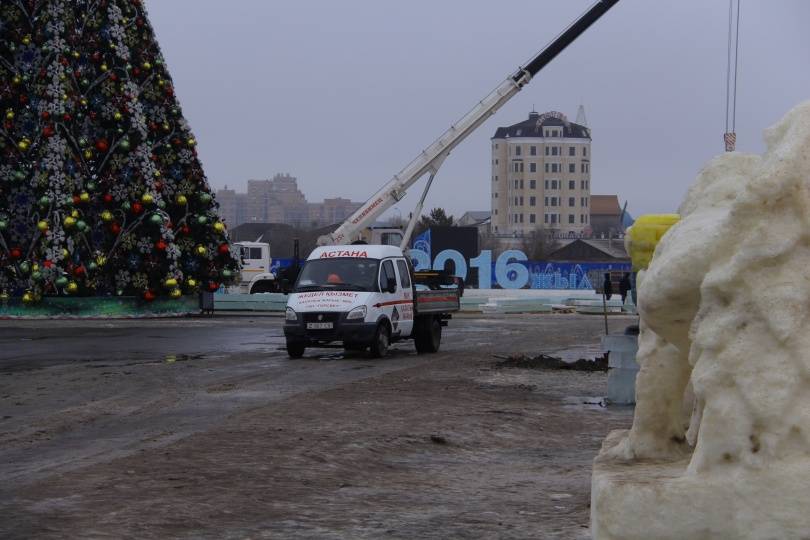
(363, 297)
(255, 275)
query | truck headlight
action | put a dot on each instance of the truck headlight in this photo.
(290, 314)
(357, 313)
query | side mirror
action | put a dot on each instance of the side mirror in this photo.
(392, 285)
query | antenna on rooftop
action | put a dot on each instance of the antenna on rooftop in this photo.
(581, 119)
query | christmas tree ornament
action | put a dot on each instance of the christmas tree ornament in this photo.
(170, 283)
(72, 287)
(25, 268)
(226, 273)
(181, 200)
(202, 220)
(175, 293)
(223, 249)
(149, 296)
(44, 200)
(27, 297)
(69, 222)
(61, 281)
(3, 224)
(106, 216)
(201, 251)
(205, 198)
(124, 145)
(155, 219)
(42, 225)
(84, 197)
(146, 198)
(160, 245)
(191, 282)
(219, 227)
(15, 253)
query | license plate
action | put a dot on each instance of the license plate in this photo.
(319, 326)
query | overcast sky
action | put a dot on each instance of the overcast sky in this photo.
(343, 94)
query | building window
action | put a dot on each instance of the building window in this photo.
(553, 184)
(547, 150)
(582, 218)
(584, 150)
(516, 218)
(521, 202)
(582, 184)
(517, 150)
(496, 162)
(532, 167)
(554, 201)
(572, 167)
(547, 165)
(516, 184)
(572, 201)
(554, 218)
(496, 194)
(555, 133)
(571, 218)
(515, 167)
(533, 150)
(532, 201)
(496, 212)
(572, 184)
(521, 218)
(555, 167)
(586, 167)
(532, 218)
(583, 167)
(572, 151)
(521, 184)
(516, 200)
(554, 150)
(521, 166)
(546, 201)
(532, 184)
(496, 146)
(546, 184)
(545, 218)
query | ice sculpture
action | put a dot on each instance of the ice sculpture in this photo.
(720, 442)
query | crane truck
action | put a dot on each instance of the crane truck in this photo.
(367, 296)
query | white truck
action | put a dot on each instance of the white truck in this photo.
(255, 275)
(365, 297)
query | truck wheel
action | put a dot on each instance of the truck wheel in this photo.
(382, 338)
(295, 349)
(428, 336)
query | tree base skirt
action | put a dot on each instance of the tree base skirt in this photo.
(113, 307)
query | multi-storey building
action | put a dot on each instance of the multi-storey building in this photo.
(279, 200)
(541, 176)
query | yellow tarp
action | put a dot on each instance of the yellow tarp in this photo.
(644, 236)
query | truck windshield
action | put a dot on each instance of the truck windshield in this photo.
(339, 274)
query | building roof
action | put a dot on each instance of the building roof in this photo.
(585, 250)
(533, 127)
(605, 205)
(472, 217)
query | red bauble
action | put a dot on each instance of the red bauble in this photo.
(160, 245)
(137, 207)
(77, 200)
(213, 286)
(115, 228)
(136, 71)
(16, 253)
(185, 229)
(139, 22)
(158, 185)
(47, 264)
(45, 115)
(102, 145)
(79, 271)
(113, 77)
(96, 57)
(223, 249)
(149, 296)
(48, 131)
(66, 117)
(108, 198)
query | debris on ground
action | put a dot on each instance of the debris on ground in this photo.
(544, 361)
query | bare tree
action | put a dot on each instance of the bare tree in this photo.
(539, 243)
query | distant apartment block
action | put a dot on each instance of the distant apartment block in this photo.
(279, 200)
(541, 176)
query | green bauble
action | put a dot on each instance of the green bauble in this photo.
(81, 226)
(202, 220)
(36, 276)
(25, 267)
(61, 281)
(3, 224)
(125, 145)
(19, 176)
(155, 219)
(44, 201)
(205, 198)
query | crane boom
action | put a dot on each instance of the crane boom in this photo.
(431, 158)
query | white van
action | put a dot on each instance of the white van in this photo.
(364, 296)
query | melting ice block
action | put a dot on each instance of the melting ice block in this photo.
(720, 442)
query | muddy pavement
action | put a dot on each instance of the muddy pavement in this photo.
(203, 428)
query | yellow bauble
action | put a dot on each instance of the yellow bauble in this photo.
(147, 198)
(35, 268)
(146, 65)
(27, 297)
(106, 215)
(103, 67)
(101, 260)
(191, 282)
(65, 254)
(74, 214)
(88, 154)
(42, 225)
(9, 115)
(70, 222)
(84, 197)
(181, 200)
(72, 287)
(175, 293)
(219, 226)
(23, 144)
(118, 116)
(170, 283)
(192, 142)
(201, 250)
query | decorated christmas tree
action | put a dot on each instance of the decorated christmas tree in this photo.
(101, 190)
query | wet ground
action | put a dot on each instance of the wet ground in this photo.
(204, 428)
